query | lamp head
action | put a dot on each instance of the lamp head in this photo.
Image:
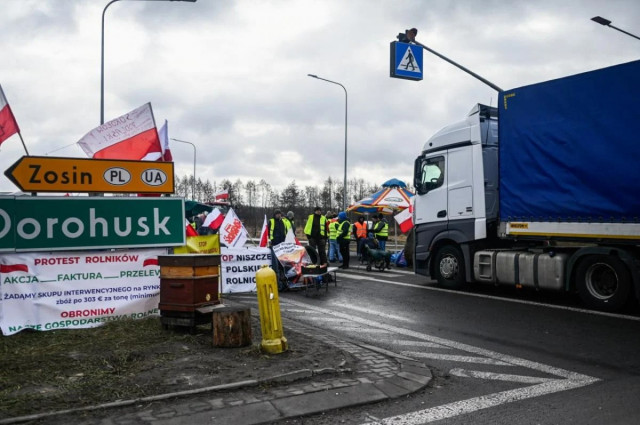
(601, 20)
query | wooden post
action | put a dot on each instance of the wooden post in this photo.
(231, 326)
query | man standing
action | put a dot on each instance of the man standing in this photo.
(316, 231)
(334, 248)
(360, 231)
(381, 231)
(344, 238)
(278, 228)
(290, 217)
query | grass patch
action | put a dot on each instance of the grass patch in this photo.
(43, 371)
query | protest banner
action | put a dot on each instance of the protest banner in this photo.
(202, 244)
(73, 290)
(239, 267)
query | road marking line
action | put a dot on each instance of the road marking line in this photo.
(454, 358)
(572, 380)
(405, 342)
(364, 330)
(373, 312)
(462, 373)
(484, 402)
(491, 297)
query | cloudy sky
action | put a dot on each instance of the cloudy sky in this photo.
(231, 76)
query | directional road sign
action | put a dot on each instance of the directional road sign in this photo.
(50, 174)
(406, 61)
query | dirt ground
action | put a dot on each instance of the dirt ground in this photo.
(48, 371)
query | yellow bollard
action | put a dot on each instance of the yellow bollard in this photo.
(273, 341)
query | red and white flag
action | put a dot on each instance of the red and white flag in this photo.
(189, 229)
(214, 219)
(291, 238)
(232, 231)
(264, 235)
(132, 136)
(163, 135)
(405, 219)
(8, 123)
(222, 195)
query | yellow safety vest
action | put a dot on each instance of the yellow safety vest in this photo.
(384, 232)
(333, 230)
(323, 225)
(285, 221)
(341, 229)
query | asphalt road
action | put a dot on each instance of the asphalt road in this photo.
(498, 356)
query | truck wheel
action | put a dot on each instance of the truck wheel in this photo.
(449, 267)
(603, 282)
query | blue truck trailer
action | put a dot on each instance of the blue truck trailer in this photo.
(542, 191)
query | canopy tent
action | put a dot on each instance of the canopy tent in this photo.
(393, 197)
(192, 208)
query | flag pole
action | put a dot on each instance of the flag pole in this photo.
(23, 145)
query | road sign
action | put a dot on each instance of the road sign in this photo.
(50, 174)
(406, 61)
(40, 223)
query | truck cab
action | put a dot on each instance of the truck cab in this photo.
(456, 180)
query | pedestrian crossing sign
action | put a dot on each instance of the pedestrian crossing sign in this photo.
(406, 61)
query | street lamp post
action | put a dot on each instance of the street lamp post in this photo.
(607, 23)
(104, 11)
(193, 185)
(344, 188)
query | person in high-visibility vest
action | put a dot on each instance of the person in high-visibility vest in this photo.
(381, 231)
(360, 232)
(344, 238)
(334, 248)
(316, 231)
(278, 228)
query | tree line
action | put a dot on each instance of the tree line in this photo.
(253, 199)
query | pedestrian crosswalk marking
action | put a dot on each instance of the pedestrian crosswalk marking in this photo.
(405, 342)
(454, 358)
(566, 380)
(462, 373)
(373, 312)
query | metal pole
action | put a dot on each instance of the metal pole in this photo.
(102, 64)
(344, 189)
(468, 71)
(193, 186)
(104, 11)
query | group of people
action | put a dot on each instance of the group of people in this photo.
(336, 228)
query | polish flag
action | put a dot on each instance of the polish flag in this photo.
(214, 219)
(264, 235)
(132, 136)
(291, 238)
(405, 219)
(163, 134)
(232, 231)
(8, 123)
(189, 229)
(222, 195)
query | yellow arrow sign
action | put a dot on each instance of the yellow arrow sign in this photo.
(50, 174)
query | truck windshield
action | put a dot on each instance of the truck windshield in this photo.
(431, 174)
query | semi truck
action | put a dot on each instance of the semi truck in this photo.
(542, 191)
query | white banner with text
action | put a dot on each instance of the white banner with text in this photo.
(239, 267)
(73, 290)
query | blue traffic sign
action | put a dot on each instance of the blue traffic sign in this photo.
(406, 61)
